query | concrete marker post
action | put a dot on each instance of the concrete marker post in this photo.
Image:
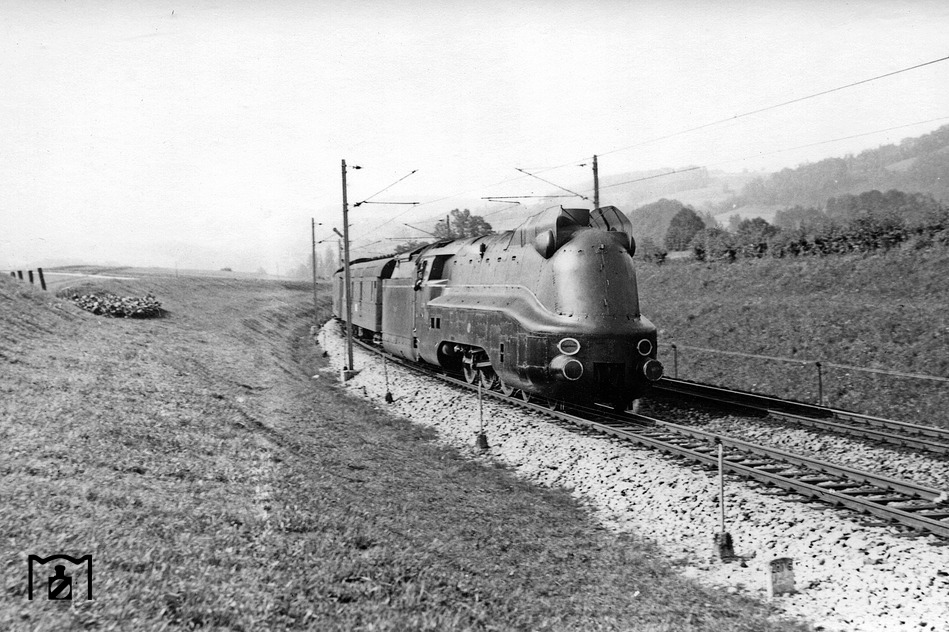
(780, 577)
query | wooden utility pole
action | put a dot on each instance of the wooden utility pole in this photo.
(349, 303)
(596, 185)
(313, 263)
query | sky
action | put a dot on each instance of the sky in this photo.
(208, 134)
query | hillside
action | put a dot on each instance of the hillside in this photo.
(915, 165)
(881, 311)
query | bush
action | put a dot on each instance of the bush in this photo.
(120, 307)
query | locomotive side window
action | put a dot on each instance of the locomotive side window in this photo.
(438, 267)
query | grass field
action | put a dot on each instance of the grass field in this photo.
(218, 485)
(882, 311)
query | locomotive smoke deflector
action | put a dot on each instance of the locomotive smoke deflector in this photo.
(613, 220)
(549, 230)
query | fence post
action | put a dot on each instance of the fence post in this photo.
(820, 385)
(13, 274)
(42, 278)
(19, 274)
(30, 273)
(675, 361)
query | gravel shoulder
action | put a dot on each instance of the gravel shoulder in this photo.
(850, 576)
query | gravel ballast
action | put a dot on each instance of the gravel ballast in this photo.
(850, 575)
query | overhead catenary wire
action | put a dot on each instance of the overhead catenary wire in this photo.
(756, 111)
(386, 189)
(776, 151)
(680, 133)
(553, 184)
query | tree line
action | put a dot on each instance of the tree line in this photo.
(867, 222)
(456, 225)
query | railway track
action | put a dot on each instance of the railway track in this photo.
(921, 508)
(926, 438)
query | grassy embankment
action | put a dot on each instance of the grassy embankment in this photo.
(217, 485)
(882, 311)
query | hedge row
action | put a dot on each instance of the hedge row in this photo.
(861, 235)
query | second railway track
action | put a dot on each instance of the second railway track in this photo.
(919, 437)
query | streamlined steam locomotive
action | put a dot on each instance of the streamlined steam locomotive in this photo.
(549, 310)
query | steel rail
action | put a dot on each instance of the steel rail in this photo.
(917, 506)
(917, 436)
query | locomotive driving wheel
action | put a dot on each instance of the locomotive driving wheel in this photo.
(553, 404)
(507, 390)
(489, 379)
(471, 373)
(526, 396)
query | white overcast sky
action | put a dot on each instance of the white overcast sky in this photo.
(207, 134)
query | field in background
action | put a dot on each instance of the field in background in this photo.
(882, 311)
(217, 484)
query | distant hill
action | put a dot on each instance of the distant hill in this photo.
(915, 165)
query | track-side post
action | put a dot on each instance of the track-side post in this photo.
(482, 438)
(820, 385)
(39, 271)
(349, 371)
(313, 264)
(723, 539)
(675, 361)
(385, 372)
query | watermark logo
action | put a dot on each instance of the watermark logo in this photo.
(60, 585)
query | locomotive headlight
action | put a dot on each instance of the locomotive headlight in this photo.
(570, 368)
(644, 347)
(652, 370)
(569, 346)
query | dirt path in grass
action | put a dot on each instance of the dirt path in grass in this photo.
(217, 483)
